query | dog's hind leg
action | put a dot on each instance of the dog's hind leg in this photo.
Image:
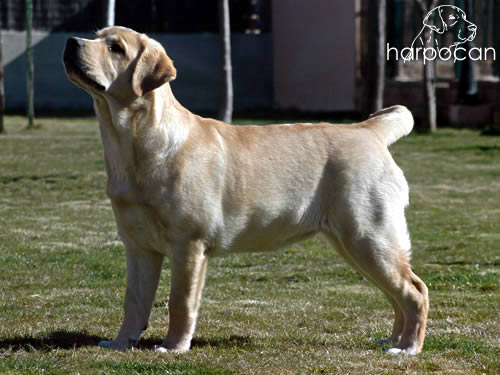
(189, 267)
(373, 237)
(390, 271)
(143, 274)
(399, 323)
(399, 318)
(414, 300)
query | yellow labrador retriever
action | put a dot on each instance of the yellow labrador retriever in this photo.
(191, 188)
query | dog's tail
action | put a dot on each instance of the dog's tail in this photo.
(391, 123)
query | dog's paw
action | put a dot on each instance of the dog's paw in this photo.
(398, 351)
(160, 349)
(112, 345)
(163, 349)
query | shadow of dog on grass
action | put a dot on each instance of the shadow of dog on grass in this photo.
(73, 340)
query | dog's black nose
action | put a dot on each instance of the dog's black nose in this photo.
(75, 43)
(72, 47)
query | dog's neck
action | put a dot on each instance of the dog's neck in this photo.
(157, 120)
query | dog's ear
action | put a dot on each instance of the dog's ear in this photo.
(435, 16)
(153, 68)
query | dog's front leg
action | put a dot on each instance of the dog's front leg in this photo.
(143, 274)
(189, 267)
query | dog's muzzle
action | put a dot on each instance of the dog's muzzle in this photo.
(72, 64)
(73, 46)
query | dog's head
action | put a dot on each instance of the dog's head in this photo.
(119, 62)
(450, 18)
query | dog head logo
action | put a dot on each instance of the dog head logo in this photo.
(450, 18)
(442, 19)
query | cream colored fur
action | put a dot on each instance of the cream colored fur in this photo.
(191, 188)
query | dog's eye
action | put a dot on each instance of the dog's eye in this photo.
(116, 48)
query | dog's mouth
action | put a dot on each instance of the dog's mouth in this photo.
(76, 74)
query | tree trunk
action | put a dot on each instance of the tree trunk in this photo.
(380, 60)
(430, 95)
(467, 85)
(496, 36)
(226, 75)
(110, 13)
(29, 66)
(2, 97)
(376, 56)
(429, 74)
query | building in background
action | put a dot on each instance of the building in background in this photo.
(287, 54)
(314, 55)
(404, 79)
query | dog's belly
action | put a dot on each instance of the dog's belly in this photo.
(267, 228)
(263, 239)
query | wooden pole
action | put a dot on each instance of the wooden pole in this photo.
(226, 95)
(380, 58)
(29, 65)
(429, 74)
(467, 84)
(496, 37)
(2, 96)
(110, 13)
(376, 57)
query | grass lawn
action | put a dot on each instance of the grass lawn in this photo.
(301, 310)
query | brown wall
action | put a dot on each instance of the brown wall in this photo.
(314, 54)
(411, 94)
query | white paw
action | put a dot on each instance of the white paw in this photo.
(394, 351)
(160, 349)
(163, 349)
(398, 351)
(112, 345)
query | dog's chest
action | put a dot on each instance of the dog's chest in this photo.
(140, 226)
(137, 219)
(122, 190)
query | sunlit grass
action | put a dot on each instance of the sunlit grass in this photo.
(302, 310)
